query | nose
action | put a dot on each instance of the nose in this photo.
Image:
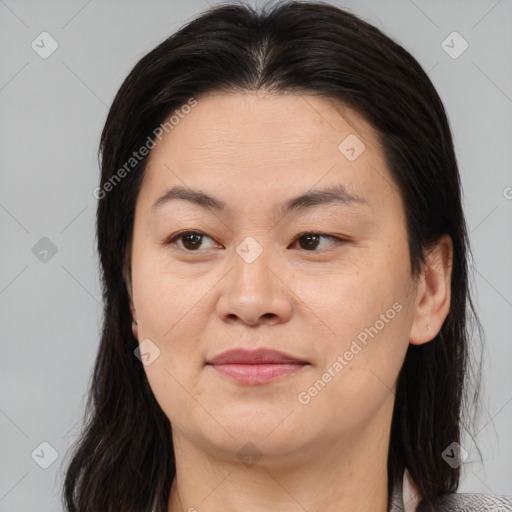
(255, 292)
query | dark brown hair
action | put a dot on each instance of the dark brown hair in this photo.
(124, 459)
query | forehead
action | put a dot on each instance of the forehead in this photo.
(285, 125)
(252, 143)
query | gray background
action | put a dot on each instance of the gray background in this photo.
(52, 112)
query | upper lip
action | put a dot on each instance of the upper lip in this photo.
(255, 356)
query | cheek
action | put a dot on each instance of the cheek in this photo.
(357, 377)
(351, 303)
(371, 345)
(171, 321)
(369, 323)
(164, 299)
(166, 390)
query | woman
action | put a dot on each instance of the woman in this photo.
(285, 276)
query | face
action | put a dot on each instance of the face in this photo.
(324, 279)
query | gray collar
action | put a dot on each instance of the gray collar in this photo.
(448, 502)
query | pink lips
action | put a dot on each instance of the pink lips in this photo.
(256, 366)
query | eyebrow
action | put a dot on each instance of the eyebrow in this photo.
(336, 194)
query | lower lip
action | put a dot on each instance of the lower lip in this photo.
(257, 373)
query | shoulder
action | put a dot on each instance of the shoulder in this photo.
(472, 502)
(406, 498)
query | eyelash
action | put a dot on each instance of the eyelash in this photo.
(174, 238)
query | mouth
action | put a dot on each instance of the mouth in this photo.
(256, 366)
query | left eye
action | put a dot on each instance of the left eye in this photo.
(311, 240)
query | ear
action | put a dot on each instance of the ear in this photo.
(433, 292)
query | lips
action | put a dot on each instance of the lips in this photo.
(256, 366)
(257, 356)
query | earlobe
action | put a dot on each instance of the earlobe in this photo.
(433, 293)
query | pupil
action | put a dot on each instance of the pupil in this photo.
(313, 238)
(193, 236)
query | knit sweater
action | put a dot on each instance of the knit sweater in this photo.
(405, 498)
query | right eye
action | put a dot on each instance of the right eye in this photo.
(191, 240)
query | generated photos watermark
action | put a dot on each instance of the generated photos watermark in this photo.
(137, 156)
(305, 397)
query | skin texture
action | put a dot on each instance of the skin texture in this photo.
(254, 151)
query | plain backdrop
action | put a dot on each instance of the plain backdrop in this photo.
(52, 110)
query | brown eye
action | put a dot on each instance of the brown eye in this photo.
(311, 241)
(191, 240)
